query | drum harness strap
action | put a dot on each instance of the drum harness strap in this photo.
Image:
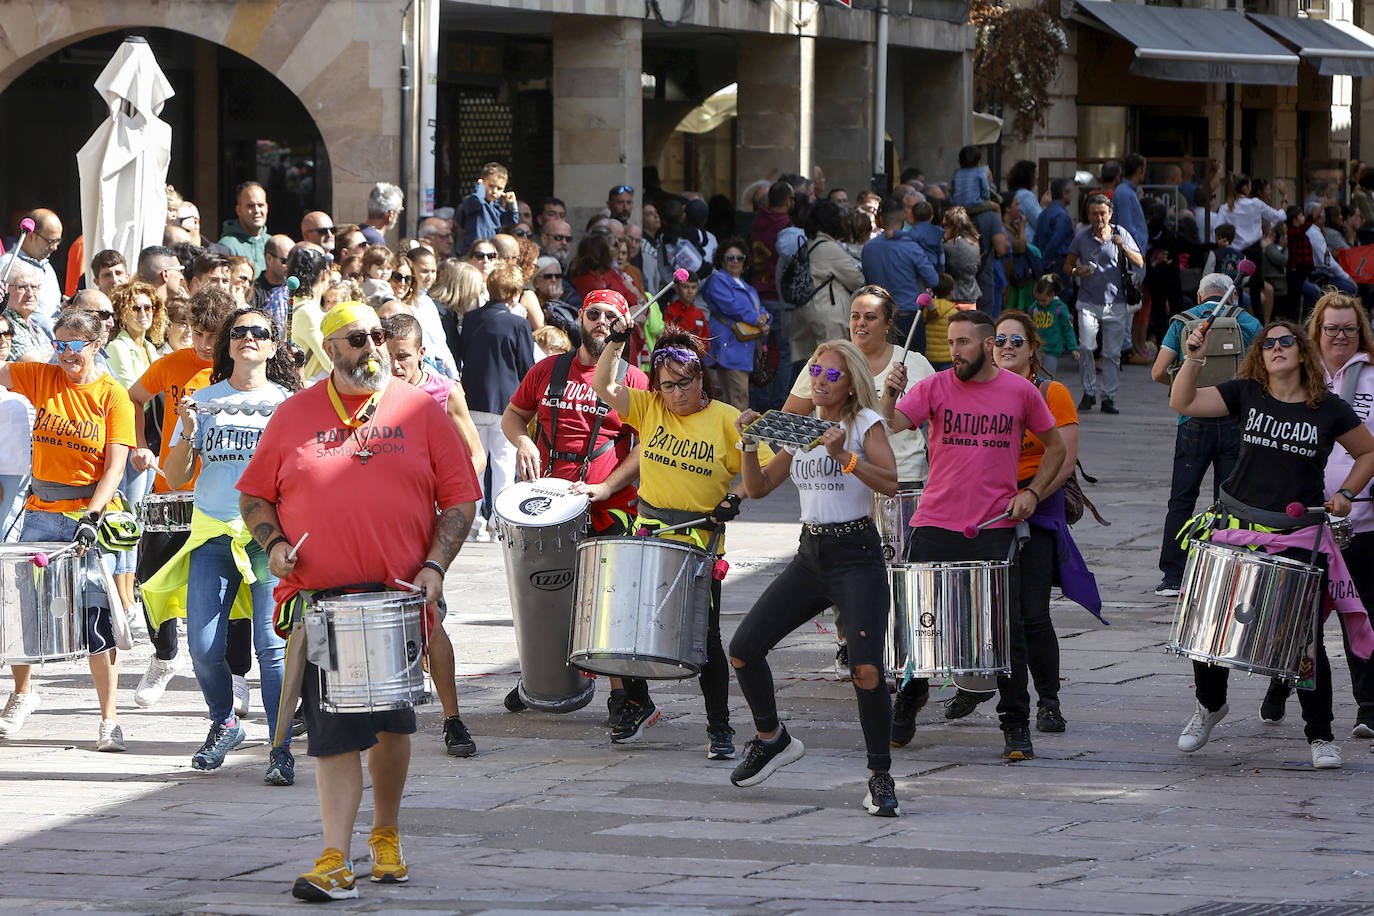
(1229, 512)
(51, 492)
(666, 518)
(558, 384)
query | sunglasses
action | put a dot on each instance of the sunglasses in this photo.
(679, 386)
(323, 230)
(831, 375)
(1335, 330)
(522, 234)
(143, 308)
(70, 346)
(259, 333)
(103, 315)
(1285, 341)
(595, 314)
(623, 189)
(734, 257)
(560, 238)
(551, 276)
(401, 278)
(485, 255)
(1015, 341)
(358, 339)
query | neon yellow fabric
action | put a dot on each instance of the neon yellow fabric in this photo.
(164, 595)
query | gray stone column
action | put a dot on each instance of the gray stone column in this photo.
(598, 112)
(769, 132)
(843, 125)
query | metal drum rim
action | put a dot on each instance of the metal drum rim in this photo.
(1259, 556)
(378, 600)
(950, 564)
(566, 493)
(646, 542)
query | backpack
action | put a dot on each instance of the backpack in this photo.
(795, 285)
(1224, 350)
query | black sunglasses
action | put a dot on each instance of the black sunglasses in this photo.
(1016, 341)
(397, 277)
(551, 276)
(560, 238)
(358, 339)
(323, 230)
(485, 255)
(103, 315)
(258, 331)
(522, 233)
(1286, 341)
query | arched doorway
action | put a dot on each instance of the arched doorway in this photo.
(231, 119)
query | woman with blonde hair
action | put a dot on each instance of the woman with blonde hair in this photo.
(839, 561)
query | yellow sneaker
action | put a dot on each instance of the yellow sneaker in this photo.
(388, 864)
(330, 879)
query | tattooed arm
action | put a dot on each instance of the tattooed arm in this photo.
(450, 530)
(260, 518)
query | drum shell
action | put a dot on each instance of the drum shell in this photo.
(951, 619)
(642, 608)
(42, 609)
(540, 564)
(375, 651)
(892, 515)
(1245, 609)
(166, 512)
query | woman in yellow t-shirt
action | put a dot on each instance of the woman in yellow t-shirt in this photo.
(689, 456)
(81, 441)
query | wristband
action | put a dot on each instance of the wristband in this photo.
(430, 564)
(279, 539)
(852, 463)
(1032, 493)
(619, 336)
(732, 498)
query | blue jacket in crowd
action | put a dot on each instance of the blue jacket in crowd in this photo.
(901, 266)
(481, 219)
(728, 300)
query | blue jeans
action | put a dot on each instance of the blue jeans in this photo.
(16, 490)
(1199, 444)
(211, 585)
(135, 486)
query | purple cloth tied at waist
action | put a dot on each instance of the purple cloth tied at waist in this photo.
(1341, 594)
(1075, 579)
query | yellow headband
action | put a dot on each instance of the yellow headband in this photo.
(346, 313)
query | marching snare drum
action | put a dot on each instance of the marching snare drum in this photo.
(540, 523)
(369, 647)
(167, 512)
(42, 608)
(642, 608)
(892, 514)
(951, 619)
(1246, 609)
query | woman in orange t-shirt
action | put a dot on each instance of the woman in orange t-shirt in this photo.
(81, 440)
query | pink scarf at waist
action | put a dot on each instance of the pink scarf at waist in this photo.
(1341, 594)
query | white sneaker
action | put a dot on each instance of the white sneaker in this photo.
(1325, 755)
(1199, 727)
(111, 736)
(240, 695)
(155, 680)
(17, 709)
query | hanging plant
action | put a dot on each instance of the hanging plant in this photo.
(1016, 59)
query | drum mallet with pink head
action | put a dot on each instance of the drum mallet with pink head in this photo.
(679, 276)
(971, 531)
(25, 227)
(923, 302)
(1298, 510)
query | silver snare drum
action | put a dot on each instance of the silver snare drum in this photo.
(167, 512)
(892, 515)
(42, 608)
(1246, 609)
(951, 619)
(369, 648)
(641, 608)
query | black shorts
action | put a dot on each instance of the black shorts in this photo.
(333, 733)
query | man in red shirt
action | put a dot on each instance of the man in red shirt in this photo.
(376, 473)
(589, 444)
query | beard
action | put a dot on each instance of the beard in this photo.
(595, 345)
(367, 377)
(967, 371)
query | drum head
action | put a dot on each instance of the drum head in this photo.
(540, 503)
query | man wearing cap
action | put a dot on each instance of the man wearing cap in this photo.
(402, 476)
(578, 436)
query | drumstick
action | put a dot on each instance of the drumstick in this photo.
(26, 226)
(923, 302)
(1298, 510)
(644, 532)
(292, 555)
(1246, 267)
(971, 531)
(404, 584)
(679, 276)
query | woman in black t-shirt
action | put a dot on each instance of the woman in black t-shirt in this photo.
(1288, 420)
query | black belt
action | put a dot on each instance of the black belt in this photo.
(671, 517)
(837, 529)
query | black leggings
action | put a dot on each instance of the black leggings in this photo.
(715, 674)
(847, 571)
(1037, 567)
(155, 548)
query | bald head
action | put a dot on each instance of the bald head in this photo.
(275, 253)
(318, 227)
(96, 304)
(507, 246)
(46, 236)
(439, 233)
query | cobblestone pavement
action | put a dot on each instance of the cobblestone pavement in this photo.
(550, 817)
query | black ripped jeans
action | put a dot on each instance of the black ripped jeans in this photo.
(846, 571)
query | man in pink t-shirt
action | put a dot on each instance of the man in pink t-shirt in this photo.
(978, 414)
(379, 477)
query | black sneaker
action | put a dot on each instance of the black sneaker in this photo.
(1017, 743)
(964, 702)
(722, 742)
(1087, 402)
(842, 672)
(513, 701)
(1272, 709)
(457, 739)
(636, 717)
(1167, 589)
(762, 759)
(615, 706)
(910, 700)
(1049, 718)
(881, 800)
(1109, 406)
